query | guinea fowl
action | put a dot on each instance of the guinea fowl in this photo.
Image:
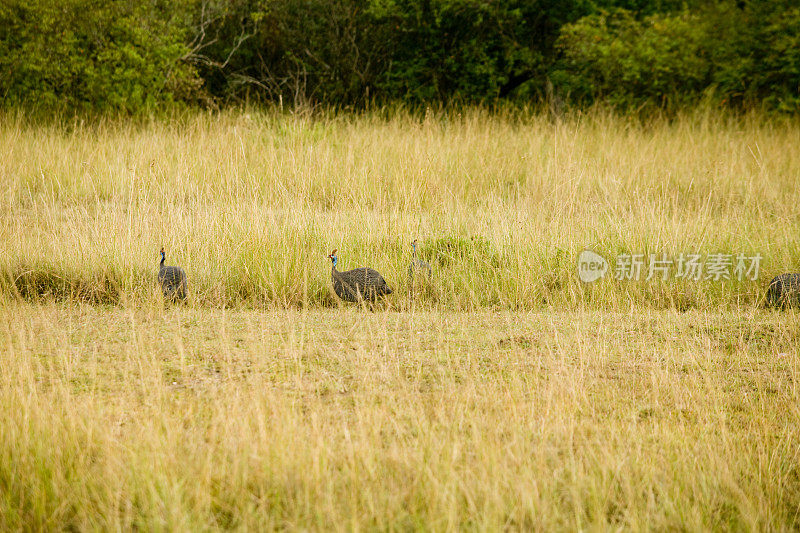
(172, 280)
(417, 264)
(357, 284)
(784, 290)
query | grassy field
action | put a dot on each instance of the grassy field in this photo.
(251, 204)
(506, 395)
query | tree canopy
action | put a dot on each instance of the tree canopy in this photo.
(133, 56)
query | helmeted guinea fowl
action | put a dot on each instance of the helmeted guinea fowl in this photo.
(784, 290)
(417, 264)
(357, 284)
(172, 280)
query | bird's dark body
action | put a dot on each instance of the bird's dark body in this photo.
(784, 290)
(359, 284)
(173, 282)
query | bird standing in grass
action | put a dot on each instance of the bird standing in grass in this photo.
(784, 290)
(416, 265)
(172, 280)
(357, 284)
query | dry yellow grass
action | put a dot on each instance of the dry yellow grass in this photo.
(194, 419)
(508, 395)
(251, 204)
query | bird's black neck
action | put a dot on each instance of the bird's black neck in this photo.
(163, 257)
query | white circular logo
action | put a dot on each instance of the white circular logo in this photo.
(591, 266)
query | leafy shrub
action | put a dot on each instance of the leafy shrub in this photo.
(659, 60)
(80, 54)
(733, 55)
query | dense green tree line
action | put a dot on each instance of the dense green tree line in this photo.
(133, 56)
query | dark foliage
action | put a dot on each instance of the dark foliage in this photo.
(126, 56)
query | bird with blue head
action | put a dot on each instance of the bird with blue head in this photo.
(172, 280)
(416, 266)
(359, 284)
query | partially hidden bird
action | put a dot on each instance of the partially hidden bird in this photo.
(417, 264)
(172, 280)
(784, 290)
(357, 284)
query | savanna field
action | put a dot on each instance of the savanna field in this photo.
(506, 394)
